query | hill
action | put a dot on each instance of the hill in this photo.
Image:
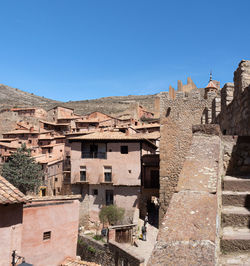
(13, 97)
(117, 105)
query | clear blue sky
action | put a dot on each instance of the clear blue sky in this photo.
(85, 49)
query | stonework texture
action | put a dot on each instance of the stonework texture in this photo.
(189, 231)
(177, 118)
(235, 115)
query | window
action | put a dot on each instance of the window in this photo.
(109, 197)
(124, 149)
(95, 192)
(107, 173)
(82, 173)
(56, 179)
(46, 235)
(93, 148)
(30, 141)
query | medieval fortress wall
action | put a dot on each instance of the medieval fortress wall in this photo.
(192, 161)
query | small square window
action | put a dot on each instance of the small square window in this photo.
(47, 235)
(124, 149)
(95, 192)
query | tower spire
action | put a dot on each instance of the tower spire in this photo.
(210, 79)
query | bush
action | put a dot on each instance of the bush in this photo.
(111, 214)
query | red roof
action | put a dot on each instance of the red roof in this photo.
(211, 85)
(10, 194)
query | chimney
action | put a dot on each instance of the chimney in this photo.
(31, 129)
(127, 132)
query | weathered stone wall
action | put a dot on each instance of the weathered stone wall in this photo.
(177, 118)
(235, 112)
(95, 251)
(236, 155)
(106, 254)
(189, 232)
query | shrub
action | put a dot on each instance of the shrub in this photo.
(111, 214)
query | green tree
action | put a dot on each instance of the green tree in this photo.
(22, 170)
(111, 214)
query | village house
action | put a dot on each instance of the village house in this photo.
(60, 112)
(31, 112)
(96, 120)
(106, 169)
(7, 147)
(27, 112)
(147, 128)
(27, 134)
(41, 230)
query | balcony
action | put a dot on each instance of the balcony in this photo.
(94, 155)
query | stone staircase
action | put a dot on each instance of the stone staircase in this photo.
(235, 219)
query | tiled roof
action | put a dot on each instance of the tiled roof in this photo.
(151, 135)
(211, 85)
(109, 135)
(68, 117)
(10, 145)
(10, 194)
(147, 126)
(26, 131)
(73, 262)
(55, 198)
(44, 159)
(90, 120)
(53, 123)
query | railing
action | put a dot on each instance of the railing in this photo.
(91, 155)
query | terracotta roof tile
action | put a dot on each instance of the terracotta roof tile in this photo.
(211, 85)
(10, 194)
(74, 262)
(112, 135)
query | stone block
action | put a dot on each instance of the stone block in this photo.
(184, 253)
(200, 170)
(190, 216)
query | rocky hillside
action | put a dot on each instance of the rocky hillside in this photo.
(113, 105)
(12, 97)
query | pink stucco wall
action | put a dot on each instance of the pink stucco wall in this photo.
(126, 168)
(10, 232)
(59, 217)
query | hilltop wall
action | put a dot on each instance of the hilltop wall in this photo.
(189, 231)
(235, 111)
(177, 118)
